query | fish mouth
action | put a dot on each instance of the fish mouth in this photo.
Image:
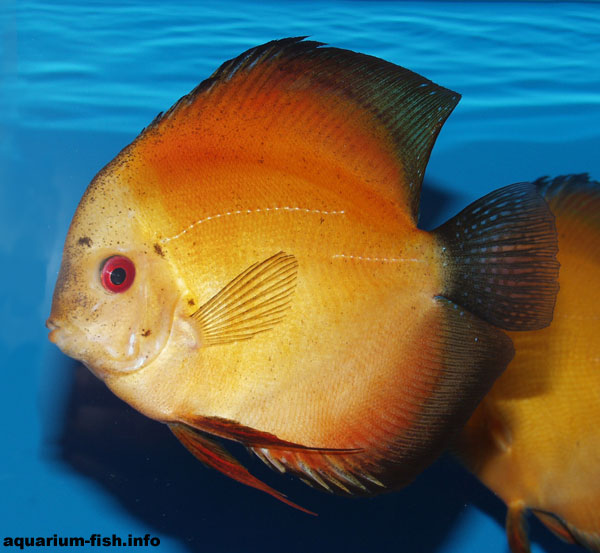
(67, 336)
(54, 328)
(58, 335)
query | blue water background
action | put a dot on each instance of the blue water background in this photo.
(79, 80)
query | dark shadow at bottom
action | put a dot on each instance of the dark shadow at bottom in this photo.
(141, 464)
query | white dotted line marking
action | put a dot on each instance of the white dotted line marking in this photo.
(377, 259)
(249, 211)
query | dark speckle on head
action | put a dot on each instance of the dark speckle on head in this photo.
(191, 302)
(146, 332)
(85, 241)
(159, 250)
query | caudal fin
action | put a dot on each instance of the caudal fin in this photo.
(499, 256)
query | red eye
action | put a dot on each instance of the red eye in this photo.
(117, 273)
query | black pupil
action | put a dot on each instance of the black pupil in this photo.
(118, 276)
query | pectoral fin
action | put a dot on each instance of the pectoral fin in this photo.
(217, 457)
(253, 302)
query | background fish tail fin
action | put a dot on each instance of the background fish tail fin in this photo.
(571, 193)
(516, 528)
(499, 254)
(567, 532)
(574, 199)
(217, 457)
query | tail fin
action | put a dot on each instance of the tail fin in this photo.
(499, 255)
(575, 197)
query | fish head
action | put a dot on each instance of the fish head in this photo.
(115, 297)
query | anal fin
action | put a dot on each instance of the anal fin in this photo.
(250, 437)
(567, 532)
(217, 457)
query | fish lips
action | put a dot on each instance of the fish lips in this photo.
(65, 338)
(54, 328)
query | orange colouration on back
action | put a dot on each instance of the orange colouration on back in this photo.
(287, 119)
(281, 139)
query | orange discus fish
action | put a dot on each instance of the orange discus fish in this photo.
(250, 268)
(535, 439)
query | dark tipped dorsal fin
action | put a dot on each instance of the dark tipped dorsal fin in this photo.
(329, 103)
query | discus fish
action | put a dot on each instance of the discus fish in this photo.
(250, 268)
(535, 439)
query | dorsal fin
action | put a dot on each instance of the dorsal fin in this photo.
(296, 103)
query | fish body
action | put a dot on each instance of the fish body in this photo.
(535, 440)
(250, 268)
